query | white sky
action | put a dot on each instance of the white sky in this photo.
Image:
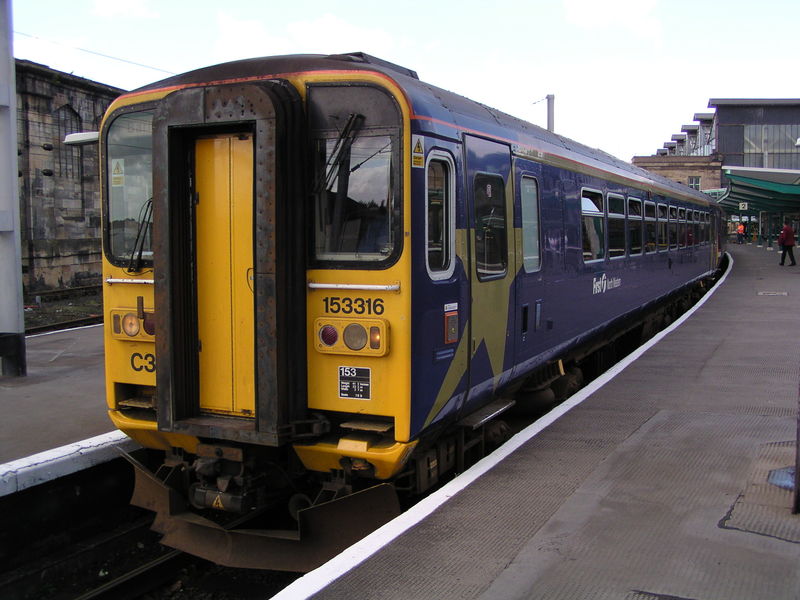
(626, 74)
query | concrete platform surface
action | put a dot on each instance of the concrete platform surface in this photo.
(654, 487)
(61, 400)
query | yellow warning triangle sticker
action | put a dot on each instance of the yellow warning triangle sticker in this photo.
(117, 168)
(418, 149)
(218, 503)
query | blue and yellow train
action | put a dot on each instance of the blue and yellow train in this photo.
(322, 274)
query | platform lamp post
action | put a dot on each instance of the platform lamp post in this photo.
(12, 324)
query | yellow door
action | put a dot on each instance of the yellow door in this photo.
(224, 250)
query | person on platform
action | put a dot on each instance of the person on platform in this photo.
(786, 241)
(740, 234)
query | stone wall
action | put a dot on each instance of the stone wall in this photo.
(680, 168)
(59, 187)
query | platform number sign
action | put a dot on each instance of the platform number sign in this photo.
(355, 383)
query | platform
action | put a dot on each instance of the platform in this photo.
(55, 420)
(653, 485)
(61, 400)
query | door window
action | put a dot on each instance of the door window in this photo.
(491, 256)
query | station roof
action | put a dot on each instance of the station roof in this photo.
(770, 190)
(714, 102)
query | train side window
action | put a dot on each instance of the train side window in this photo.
(663, 227)
(491, 247)
(673, 227)
(531, 242)
(696, 228)
(635, 225)
(440, 216)
(704, 221)
(650, 239)
(593, 215)
(683, 230)
(616, 226)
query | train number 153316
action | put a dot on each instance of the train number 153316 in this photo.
(353, 306)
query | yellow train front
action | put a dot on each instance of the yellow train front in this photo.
(258, 296)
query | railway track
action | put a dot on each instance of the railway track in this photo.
(52, 310)
(81, 322)
(139, 580)
(47, 296)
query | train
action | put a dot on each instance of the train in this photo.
(327, 281)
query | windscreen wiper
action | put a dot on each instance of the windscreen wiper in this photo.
(145, 221)
(340, 150)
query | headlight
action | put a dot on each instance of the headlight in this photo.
(130, 324)
(355, 336)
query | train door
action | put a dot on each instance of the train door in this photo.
(224, 247)
(492, 265)
(532, 306)
(230, 264)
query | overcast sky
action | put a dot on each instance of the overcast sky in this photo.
(626, 74)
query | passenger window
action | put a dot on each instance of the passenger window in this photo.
(491, 254)
(682, 230)
(439, 230)
(696, 229)
(650, 239)
(529, 197)
(663, 227)
(635, 225)
(616, 226)
(592, 213)
(704, 228)
(673, 227)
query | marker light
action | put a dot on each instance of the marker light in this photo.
(375, 337)
(150, 323)
(355, 336)
(130, 324)
(328, 335)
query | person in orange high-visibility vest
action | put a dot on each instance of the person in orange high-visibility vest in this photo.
(740, 233)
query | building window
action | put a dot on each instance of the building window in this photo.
(771, 146)
(68, 157)
(694, 182)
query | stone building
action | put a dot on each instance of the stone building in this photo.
(59, 188)
(698, 172)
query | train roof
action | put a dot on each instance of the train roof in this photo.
(438, 111)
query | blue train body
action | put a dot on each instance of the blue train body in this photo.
(566, 301)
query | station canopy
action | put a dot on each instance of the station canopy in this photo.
(769, 190)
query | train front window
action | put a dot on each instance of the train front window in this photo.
(353, 216)
(129, 173)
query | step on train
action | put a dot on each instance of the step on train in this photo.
(325, 280)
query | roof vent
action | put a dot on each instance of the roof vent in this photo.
(361, 57)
